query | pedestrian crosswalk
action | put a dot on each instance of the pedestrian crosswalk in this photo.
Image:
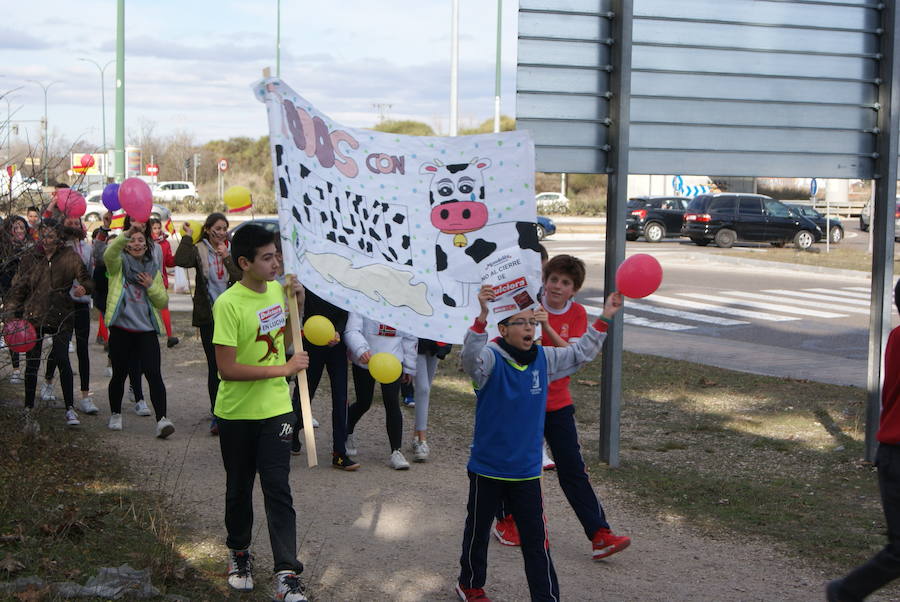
(687, 311)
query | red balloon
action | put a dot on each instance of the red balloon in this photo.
(136, 199)
(87, 160)
(70, 202)
(638, 276)
(19, 335)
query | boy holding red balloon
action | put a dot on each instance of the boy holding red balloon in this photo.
(255, 418)
(511, 375)
(565, 322)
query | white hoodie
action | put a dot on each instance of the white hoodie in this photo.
(363, 334)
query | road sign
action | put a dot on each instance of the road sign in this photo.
(223, 164)
(152, 169)
(813, 187)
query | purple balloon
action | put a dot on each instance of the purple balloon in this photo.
(111, 197)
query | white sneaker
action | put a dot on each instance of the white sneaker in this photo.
(47, 393)
(72, 417)
(164, 428)
(16, 378)
(115, 422)
(352, 445)
(130, 392)
(288, 587)
(71, 347)
(240, 567)
(397, 461)
(141, 409)
(547, 462)
(420, 450)
(87, 406)
(315, 423)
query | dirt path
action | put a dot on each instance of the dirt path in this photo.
(379, 534)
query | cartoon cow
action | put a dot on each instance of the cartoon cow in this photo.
(464, 239)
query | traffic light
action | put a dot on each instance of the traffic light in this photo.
(197, 159)
(187, 163)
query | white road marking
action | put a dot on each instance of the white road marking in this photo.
(817, 296)
(840, 293)
(594, 311)
(675, 313)
(787, 309)
(805, 302)
(722, 309)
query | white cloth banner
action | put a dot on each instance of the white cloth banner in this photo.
(397, 227)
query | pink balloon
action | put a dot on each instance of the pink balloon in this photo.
(70, 202)
(136, 199)
(19, 335)
(87, 161)
(638, 276)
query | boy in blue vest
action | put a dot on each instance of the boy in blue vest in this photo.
(511, 375)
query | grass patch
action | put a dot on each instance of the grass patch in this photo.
(68, 508)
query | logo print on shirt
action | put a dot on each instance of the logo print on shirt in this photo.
(386, 331)
(269, 340)
(286, 430)
(564, 332)
(535, 382)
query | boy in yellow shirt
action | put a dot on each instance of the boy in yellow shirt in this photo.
(254, 411)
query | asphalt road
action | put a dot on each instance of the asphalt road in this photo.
(777, 319)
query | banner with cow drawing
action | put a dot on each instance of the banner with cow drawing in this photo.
(399, 228)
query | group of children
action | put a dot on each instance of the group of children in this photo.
(240, 309)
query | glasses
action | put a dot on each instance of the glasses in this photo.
(531, 322)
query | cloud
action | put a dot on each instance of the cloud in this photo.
(224, 52)
(18, 40)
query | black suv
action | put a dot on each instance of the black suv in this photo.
(654, 217)
(729, 217)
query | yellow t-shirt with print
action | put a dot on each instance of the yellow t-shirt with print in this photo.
(253, 323)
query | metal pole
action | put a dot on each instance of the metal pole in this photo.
(46, 156)
(497, 74)
(454, 69)
(617, 197)
(278, 38)
(881, 226)
(120, 91)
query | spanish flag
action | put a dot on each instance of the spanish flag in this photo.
(170, 227)
(118, 220)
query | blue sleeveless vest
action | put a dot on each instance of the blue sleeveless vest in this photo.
(509, 420)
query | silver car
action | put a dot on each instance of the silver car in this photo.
(865, 219)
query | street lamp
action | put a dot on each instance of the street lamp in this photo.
(102, 94)
(46, 127)
(4, 96)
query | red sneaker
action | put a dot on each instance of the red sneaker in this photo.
(474, 594)
(506, 532)
(606, 543)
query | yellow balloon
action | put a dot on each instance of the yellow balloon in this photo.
(318, 330)
(237, 198)
(197, 229)
(385, 367)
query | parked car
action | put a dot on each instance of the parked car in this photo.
(545, 225)
(833, 224)
(730, 217)
(551, 201)
(654, 217)
(175, 192)
(96, 208)
(865, 219)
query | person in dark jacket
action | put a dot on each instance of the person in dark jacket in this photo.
(211, 260)
(40, 294)
(15, 239)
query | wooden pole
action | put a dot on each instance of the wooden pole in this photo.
(305, 409)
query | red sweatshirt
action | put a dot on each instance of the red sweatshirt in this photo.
(889, 428)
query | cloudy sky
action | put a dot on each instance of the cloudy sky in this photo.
(190, 63)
